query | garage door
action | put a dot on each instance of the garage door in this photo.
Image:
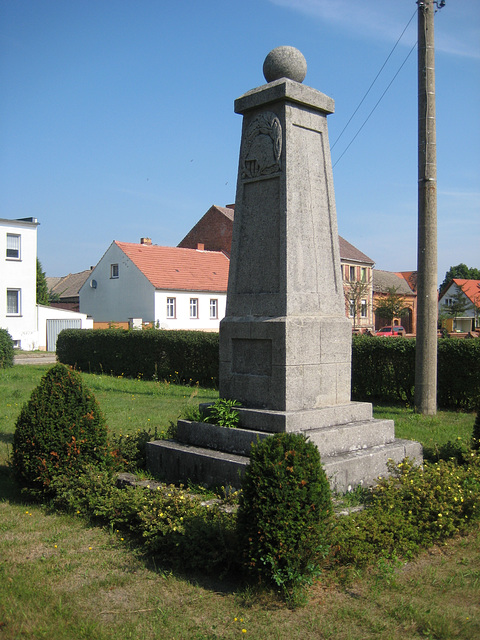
(55, 326)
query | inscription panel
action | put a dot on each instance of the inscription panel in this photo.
(258, 262)
(252, 357)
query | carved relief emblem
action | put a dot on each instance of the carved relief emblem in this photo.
(262, 146)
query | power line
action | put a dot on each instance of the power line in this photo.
(375, 79)
(376, 105)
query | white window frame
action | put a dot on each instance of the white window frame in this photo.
(114, 271)
(363, 274)
(351, 308)
(14, 245)
(193, 308)
(18, 302)
(363, 309)
(213, 308)
(171, 308)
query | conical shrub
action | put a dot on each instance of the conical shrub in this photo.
(60, 428)
(285, 513)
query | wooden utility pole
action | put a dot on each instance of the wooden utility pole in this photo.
(427, 297)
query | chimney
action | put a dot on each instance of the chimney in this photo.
(147, 241)
(200, 246)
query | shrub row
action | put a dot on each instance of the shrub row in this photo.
(6, 349)
(187, 356)
(383, 369)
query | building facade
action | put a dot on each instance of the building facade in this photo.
(18, 251)
(170, 287)
(31, 326)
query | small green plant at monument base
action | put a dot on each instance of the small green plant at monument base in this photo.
(223, 412)
(285, 514)
(59, 429)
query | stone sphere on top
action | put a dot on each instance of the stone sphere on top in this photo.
(285, 62)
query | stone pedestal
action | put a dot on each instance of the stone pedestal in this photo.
(285, 343)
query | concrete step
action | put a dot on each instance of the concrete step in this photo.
(352, 436)
(362, 467)
(174, 462)
(178, 463)
(212, 436)
(295, 421)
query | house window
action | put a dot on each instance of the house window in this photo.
(193, 307)
(363, 274)
(213, 308)
(114, 271)
(13, 302)
(363, 309)
(352, 274)
(352, 308)
(13, 246)
(171, 310)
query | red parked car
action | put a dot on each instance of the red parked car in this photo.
(390, 331)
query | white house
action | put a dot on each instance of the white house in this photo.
(174, 288)
(467, 315)
(31, 326)
(18, 279)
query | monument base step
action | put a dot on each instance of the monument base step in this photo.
(175, 463)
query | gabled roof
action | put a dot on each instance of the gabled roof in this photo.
(410, 277)
(385, 280)
(174, 268)
(349, 253)
(68, 286)
(471, 288)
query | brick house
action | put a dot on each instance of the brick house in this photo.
(402, 282)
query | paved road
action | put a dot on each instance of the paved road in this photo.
(35, 358)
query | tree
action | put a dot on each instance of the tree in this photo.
(459, 304)
(459, 271)
(42, 287)
(393, 305)
(355, 293)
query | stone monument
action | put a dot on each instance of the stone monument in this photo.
(285, 343)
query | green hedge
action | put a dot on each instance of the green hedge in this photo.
(6, 349)
(182, 356)
(383, 369)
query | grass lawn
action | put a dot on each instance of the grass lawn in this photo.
(64, 580)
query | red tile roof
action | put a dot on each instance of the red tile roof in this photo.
(173, 268)
(410, 277)
(471, 288)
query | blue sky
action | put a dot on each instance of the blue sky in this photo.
(117, 121)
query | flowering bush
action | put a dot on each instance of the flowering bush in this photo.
(178, 528)
(413, 508)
